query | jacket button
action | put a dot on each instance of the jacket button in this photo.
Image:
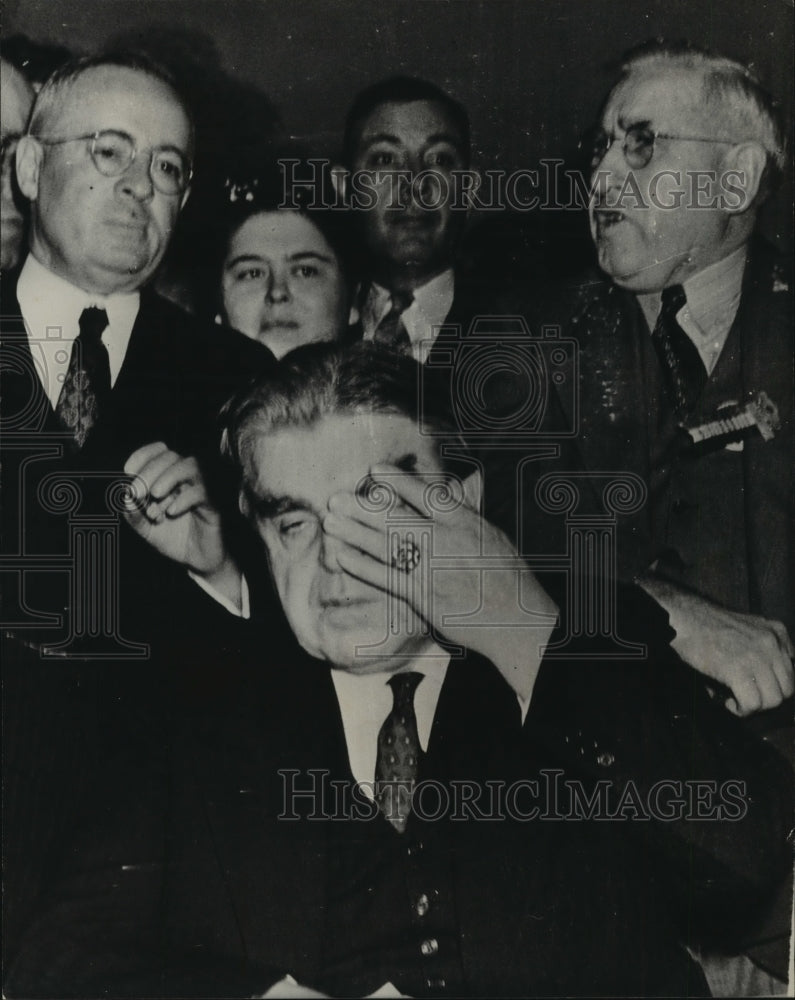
(429, 946)
(605, 759)
(435, 984)
(415, 848)
(422, 905)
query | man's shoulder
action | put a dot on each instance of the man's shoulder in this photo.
(770, 272)
(198, 342)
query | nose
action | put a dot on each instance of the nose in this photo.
(613, 162)
(137, 179)
(329, 548)
(278, 289)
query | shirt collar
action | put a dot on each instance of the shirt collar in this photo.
(711, 292)
(47, 300)
(713, 298)
(429, 310)
(365, 700)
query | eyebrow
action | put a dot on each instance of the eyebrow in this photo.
(270, 506)
(311, 255)
(253, 258)
(397, 141)
(244, 258)
(406, 463)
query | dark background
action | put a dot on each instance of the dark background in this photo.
(532, 72)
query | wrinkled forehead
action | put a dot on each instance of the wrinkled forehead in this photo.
(669, 99)
(122, 98)
(335, 454)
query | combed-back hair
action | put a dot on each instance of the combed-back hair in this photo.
(53, 91)
(323, 380)
(401, 90)
(733, 93)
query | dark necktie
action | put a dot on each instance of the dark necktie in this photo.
(398, 752)
(86, 386)
(684, 371)
(390, 331)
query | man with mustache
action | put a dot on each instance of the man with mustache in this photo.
(693, 323)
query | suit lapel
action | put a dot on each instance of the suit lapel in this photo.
(765, 325)
(275, 866)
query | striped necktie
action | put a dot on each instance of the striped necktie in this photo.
(390, 331)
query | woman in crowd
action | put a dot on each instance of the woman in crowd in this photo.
(287, 275)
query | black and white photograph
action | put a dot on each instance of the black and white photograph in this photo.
(397, 495)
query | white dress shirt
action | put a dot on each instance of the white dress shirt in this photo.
(366, 700)
(422, 319)
(51, 308)
(713, 298)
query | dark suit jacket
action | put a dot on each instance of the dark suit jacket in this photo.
(175, 376)
(611, 414)
(188, 881)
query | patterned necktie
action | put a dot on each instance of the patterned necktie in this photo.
(398, 752)
(391, 331)
(86, 386)
(684, 371)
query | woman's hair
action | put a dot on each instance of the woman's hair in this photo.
(287, 184)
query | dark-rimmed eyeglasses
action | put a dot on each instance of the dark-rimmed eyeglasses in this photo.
(113, 152)
(637, 144)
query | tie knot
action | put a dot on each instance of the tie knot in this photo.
(93, 322)
(400, 301)
(403, 686)
(673, 299)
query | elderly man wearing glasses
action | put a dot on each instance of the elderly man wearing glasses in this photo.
(685, 360)
(94, 366)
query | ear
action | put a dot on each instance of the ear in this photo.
(744, 165)
(340, 179)
(473, 490)
(29, 157)
(243, 504)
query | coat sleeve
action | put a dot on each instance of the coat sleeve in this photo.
(710, 802)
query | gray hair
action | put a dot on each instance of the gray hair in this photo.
(52, 94)
(730, 88)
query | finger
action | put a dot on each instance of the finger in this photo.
(784, 638)
(766, 680)
(145, 454)
(746, 694)
(186, 498)
(420, 492)
(360, 536)
(355, 507)
(170, 475)
(785, 674)
(367, 569)
(149, 473)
